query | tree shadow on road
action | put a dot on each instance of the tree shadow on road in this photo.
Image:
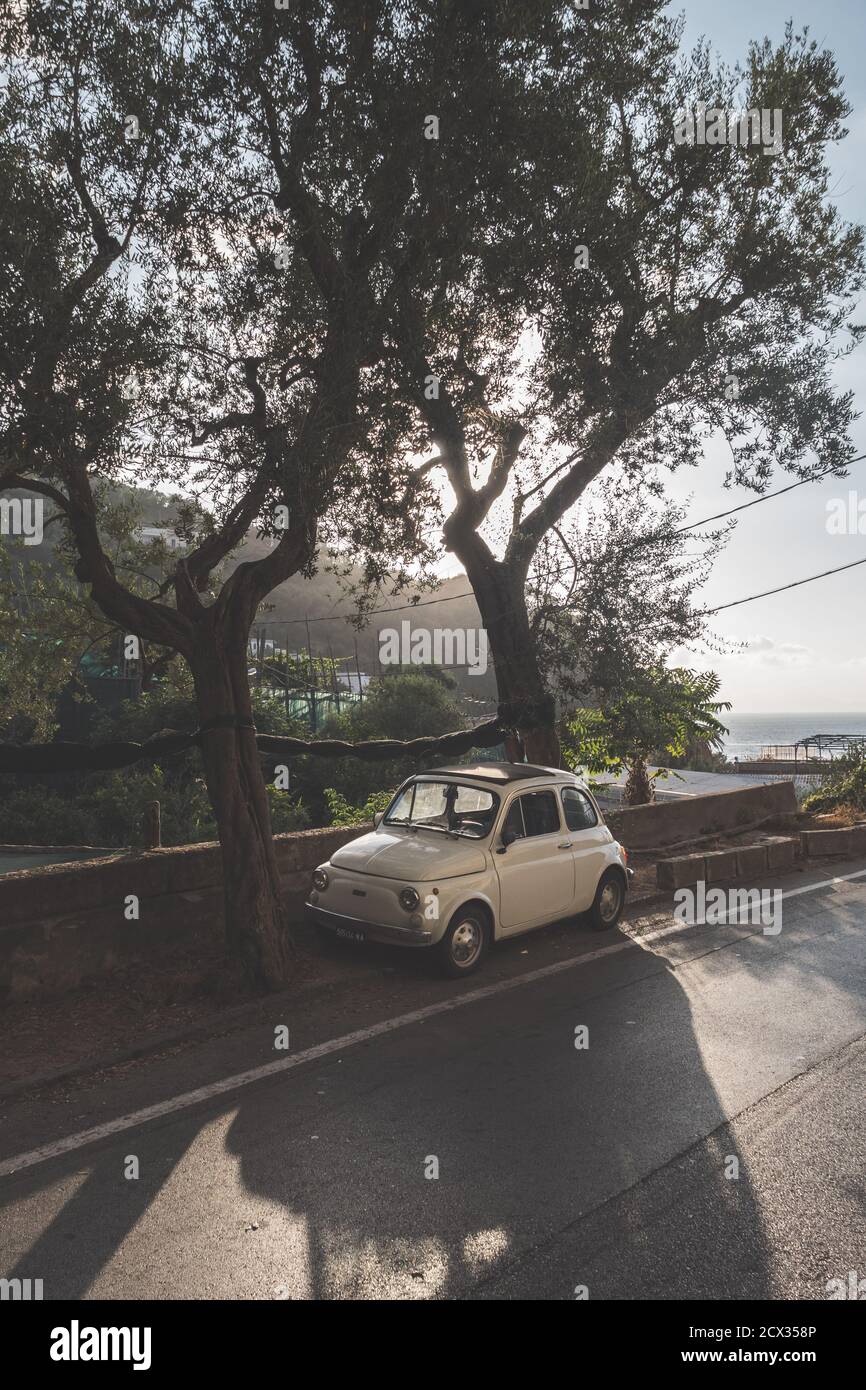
(532, 1138)
(541, 1149)
(89, 1230)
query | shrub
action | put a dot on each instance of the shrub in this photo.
(39, 816)
(344, 813)
(287, 813)
(846, 786)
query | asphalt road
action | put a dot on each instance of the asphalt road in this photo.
(707, 1142)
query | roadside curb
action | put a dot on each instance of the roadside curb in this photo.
(774, 853)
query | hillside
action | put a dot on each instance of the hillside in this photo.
(323, 601)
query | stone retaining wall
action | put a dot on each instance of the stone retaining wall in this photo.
(776, 853)
(848, 840)
(671, 822)
(64, 924)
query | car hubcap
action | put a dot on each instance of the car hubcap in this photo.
(608, 903)
(466, 942)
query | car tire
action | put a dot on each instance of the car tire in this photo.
(609, 901)
(464, 945)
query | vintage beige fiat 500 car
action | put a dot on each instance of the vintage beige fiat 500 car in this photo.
(465, 856)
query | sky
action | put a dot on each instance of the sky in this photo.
(807, 647)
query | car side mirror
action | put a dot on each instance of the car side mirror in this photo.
(377, 819)
(508, 838)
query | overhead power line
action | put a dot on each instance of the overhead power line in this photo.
(401, 608)
(765, 497)
(692, 526)
(750, 598)
(795, 584)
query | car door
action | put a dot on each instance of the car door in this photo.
(589, 838)
(536, 871)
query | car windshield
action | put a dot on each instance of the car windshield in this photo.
(450, 807)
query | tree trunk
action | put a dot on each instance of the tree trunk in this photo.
(541, 745)
(499, 590)
(256, 922)
(639, 788)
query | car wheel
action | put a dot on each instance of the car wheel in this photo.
(464, 944)
(608, 902)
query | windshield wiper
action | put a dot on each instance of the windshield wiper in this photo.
(421, 825)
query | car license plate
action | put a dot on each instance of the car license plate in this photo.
(350, 934)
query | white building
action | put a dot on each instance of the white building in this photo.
(160, 533)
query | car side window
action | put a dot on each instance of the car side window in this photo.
(540, 815)
(579, 810)
(514, 821)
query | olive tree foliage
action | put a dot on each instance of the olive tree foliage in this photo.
(50, 628)
(76, 196)
(210, 205)
(638, 295)
(612, 592)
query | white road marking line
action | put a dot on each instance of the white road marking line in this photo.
(825, 883)
(792, 893)
(326, 1049)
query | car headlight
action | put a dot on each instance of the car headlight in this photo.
(320, 880)
(409, 899)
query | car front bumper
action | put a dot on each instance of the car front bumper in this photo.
(357, 929)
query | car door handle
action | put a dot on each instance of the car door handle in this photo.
(564, 844)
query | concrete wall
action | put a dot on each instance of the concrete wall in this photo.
(63, 925)
(671, 822)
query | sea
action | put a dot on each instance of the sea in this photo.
(749, 732)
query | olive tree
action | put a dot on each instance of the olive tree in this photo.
(660, 268)
(176, 311)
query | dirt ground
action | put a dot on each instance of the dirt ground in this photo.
(841, 818)
(135, 1006)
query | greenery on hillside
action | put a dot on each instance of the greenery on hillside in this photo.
(110, 808)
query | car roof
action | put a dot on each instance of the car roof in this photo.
(503, 773)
